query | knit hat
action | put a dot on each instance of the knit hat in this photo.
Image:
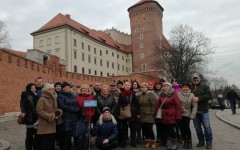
(65, 84)
(47, 86)
(119, 82)
(106, 109)
(150, 83)
(167, 83)
(195, 75)
(57, 83)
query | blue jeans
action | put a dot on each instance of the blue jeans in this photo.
(203, 119)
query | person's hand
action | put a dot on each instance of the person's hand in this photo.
(105, 141)
(195, 99)
(138, 116)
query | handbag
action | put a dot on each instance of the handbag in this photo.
(159, 112)
(80, 128)
(125, 112)
(20, 119)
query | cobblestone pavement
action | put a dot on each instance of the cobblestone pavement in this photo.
(225, 136)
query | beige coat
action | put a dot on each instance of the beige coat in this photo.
(189, 107)
(147, 103)
(46, 109)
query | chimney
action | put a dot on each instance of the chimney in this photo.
(68, 16)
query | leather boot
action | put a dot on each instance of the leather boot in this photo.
(174, 144)
(189, 144)
(185, 144)
(153, 144)
(147, 143)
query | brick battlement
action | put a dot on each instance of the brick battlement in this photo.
(17, 72)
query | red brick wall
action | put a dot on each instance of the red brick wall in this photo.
(17, 72)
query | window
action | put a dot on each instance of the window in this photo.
(100, 62)
(95, 51)
(95, 72)
(118, 67)
(75, 54)
(57, 52)
(141, 36)
(122, 67)
(126, 60)
(122, 58)
(112, 54)
(83, 57)
(89, 48)
(49, 41)
(117, 56)
(143, 67)
(95, 60)
(106, 52)
(136, 30)
(49, 51)
(82, 45)
(100, 52)
(89, 59)
(141, 45)
(89, 71)
(112, 65)
(56, 39)
(107, 64)
(108, 74)
(101, 74)
(142, 56)
(75, 68)
(41, 43)
(83, 71)
(74, 42)
(126, 69)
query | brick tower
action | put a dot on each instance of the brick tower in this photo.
(146, 34)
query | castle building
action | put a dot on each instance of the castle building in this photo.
(109, 52)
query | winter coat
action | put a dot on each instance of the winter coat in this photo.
(105, 129)
(204, 95)
(171, 108)
(232, 96)
(30, 104)
(89, 112)
(189, 108)
(124, 99)
(108, 101)
(147, 103)
(68, 104)
(46, 108)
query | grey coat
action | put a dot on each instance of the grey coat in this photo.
(147, 103)
(189, 107)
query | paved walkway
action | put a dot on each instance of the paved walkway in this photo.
(226, 116)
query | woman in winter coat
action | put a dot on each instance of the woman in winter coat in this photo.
(68, 104)
(105, 99)
(127, 97)
(30, 115)
(147, 103)
(89, 112)
(106, 131)
(47, 114)
(171, 113)
(189, 110)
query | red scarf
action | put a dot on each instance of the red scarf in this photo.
(126, 92)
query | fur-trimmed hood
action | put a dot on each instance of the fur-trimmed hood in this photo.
(100, 121)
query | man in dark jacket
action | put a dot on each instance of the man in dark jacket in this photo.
(203, 94)
(232, 97)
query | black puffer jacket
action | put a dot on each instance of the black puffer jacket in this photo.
(30, 103)
(108, 101)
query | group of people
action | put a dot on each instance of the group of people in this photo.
(53, 114)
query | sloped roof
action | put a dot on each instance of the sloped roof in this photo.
(145, 1)
(16, 52)
(63, 20)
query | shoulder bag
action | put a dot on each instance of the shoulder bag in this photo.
(159, 112)
(125, 112)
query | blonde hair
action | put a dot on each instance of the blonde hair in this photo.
(126, 83)
(85, 86)
(144, 84)
(105, 87)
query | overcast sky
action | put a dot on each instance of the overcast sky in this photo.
(218, 19)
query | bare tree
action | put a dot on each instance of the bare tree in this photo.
(4, 38)
(189, 51)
